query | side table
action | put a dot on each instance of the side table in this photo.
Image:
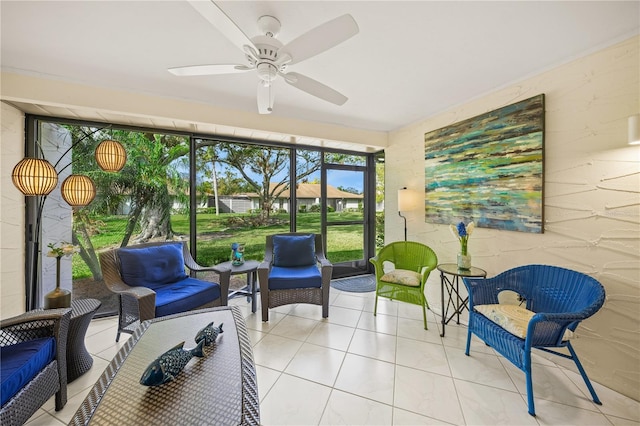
(79, 360)
(452, 286)
(249, 267)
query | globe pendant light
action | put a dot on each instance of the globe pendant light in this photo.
(78, 190)
(110, 156)
(34, 176)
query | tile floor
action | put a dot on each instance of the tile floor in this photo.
(357, 369)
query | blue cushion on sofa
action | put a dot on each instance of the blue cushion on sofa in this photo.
(22, 362)
(297, 277)
(294, 250)
(153, 266)
(184, 295)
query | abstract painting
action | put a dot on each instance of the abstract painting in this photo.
(488, 169)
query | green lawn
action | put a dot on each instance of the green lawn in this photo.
(215, 236)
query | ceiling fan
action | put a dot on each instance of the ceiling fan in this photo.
(270, 57)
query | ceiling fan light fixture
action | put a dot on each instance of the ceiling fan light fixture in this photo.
(270, 57)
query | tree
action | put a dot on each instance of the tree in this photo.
(264, 169)
(150, 173)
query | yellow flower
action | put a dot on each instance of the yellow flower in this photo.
(64, 249)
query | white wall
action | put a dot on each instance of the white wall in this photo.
(12, 271)
(592, 199)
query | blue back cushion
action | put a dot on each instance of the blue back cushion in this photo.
(294, 250)
(153, 266)
(22, 362)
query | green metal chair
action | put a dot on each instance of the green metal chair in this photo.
(402, 269)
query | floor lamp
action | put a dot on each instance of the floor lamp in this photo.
(37, 177)
(404, 204)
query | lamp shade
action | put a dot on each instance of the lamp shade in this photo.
(111, 156)
(634, 129)
(405, 200)
(78, 190)
(34, 176)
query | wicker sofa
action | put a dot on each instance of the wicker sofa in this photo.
(151, 282)
(556, 301)
(33, 351)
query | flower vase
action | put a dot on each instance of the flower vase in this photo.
(464, 261)
(59, 297)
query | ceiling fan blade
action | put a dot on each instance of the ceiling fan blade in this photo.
(208, 69)
(212, 13)
(265, 98)
(314, 88)
(321, 38)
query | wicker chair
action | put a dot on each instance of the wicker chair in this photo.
(412, 262)
(557, 298)
(50, 380)
(304, 283)
(138, 303)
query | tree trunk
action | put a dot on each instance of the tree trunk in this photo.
(134, 214)
(215, 189)
(87, 252)
(156, 218)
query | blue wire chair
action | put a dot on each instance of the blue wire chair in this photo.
(560, 299)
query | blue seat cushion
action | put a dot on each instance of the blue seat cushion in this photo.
(153, 266)
(297, 277)
(22, 362)
(185, 295)
(294, 250)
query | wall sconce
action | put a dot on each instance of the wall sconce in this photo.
(404, 204)
(38, 177)
(634, 129)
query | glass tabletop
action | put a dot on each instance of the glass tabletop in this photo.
(452, 268)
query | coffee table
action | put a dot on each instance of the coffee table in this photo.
(249, 267)
(79, 360)
(218, 389)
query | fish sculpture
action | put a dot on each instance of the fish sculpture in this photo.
(167, 366)
(209, 334)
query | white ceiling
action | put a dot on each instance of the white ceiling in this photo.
(409, 61)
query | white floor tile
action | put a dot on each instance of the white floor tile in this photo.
(356, 369)
(332, 336)
(266, 378)
(294, 401)
(367, 377)
(343, 316)
(347, 409)
(316, 363)
(551, 384)
(613, 403)
(414, 329)
(485, 405)
(407, 418)
(422, 356)
(428, 394)
(479, 368)
(373, 345)
(275, 351)
(381, 323)
(292, 327)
